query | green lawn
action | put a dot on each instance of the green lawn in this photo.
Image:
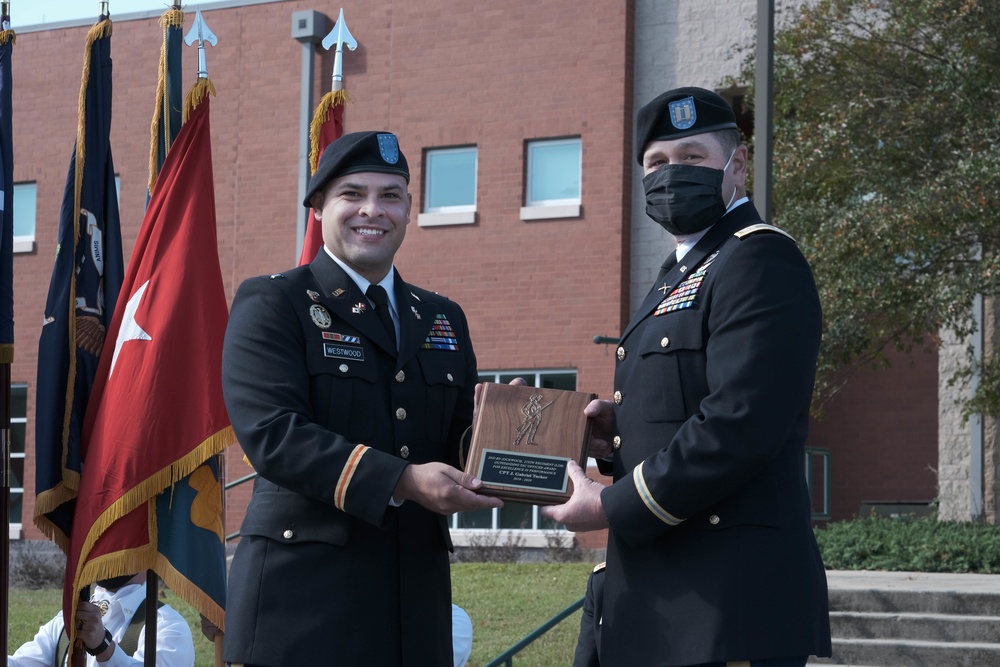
(504, 601)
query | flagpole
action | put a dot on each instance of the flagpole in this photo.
(220, 459)
(5, 475)
(152, 596)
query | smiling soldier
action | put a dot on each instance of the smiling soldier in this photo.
(349, 391)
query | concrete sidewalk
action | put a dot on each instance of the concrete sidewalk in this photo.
(936, 582)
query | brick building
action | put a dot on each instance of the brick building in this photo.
(540, 266)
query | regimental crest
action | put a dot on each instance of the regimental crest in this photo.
(682, 113)
(313, 295)
(388, 147)
(686, 293)
(320, 316)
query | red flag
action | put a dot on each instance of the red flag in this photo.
(327, 126)
(156, 412)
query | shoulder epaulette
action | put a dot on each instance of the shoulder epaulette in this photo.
(275, 276)
(600, 566)
(760, 227)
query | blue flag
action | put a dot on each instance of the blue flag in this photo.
(83, 290)
(169, 94)
(6, 202)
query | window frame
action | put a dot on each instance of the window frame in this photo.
(461, 214)
(543, 209)
(15, 530)
(26, 242)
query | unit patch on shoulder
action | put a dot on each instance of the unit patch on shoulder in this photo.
(760, 227)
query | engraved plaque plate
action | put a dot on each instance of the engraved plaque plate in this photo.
(524, 437)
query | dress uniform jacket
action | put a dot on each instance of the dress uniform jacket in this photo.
(711, 555)
(328, 571)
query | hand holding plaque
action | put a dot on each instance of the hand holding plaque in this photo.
(524, 437)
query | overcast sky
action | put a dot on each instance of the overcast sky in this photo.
(32, 12)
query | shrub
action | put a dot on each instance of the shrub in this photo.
(918, 545)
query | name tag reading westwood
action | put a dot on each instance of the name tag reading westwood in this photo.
(524, 437)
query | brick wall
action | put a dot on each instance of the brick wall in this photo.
(437, 73)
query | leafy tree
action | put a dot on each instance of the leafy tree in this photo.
(887, 172)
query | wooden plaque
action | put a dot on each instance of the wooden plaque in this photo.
(524, 437)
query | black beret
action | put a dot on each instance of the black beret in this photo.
(357, 152)
(681, 112)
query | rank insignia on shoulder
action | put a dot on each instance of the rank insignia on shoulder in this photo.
(275, 276)
(313, 295)
(760, 227)
(320, 316)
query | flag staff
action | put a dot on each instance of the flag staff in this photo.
(340, 36)
(201, 33)
(7, 354)
(104, 8)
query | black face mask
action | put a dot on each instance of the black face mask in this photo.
(685, 199)
(114, 583)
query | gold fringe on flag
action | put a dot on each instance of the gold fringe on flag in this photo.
(326, 106)
(7, 353)
(199, 91)
(8, 36)
(172, 18)
(136, 560)
(49, 500)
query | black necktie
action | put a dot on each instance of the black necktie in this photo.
(381, 300)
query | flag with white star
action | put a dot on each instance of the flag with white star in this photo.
(156, 420)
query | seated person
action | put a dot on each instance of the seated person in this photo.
(112, 627)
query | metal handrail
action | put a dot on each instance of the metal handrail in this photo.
(229, 485)
(824, 454)
(507, 657)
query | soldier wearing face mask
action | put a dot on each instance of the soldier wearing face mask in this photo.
(711, 557)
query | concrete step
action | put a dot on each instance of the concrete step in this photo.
(979, 603)
(911, 653)
(908, 625)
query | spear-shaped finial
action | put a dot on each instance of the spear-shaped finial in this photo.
(340, 36)
(201, 33)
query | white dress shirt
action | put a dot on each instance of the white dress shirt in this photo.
(387, 283)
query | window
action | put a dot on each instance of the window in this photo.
(24, 217)
(18, 422)
(449, 187)
(521, 521)
(553, 177)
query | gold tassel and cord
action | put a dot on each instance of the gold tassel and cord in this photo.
(326, 106)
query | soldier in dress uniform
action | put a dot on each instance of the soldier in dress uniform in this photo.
(349, 391)
(711, 556)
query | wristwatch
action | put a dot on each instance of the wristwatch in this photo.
(102, 647)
